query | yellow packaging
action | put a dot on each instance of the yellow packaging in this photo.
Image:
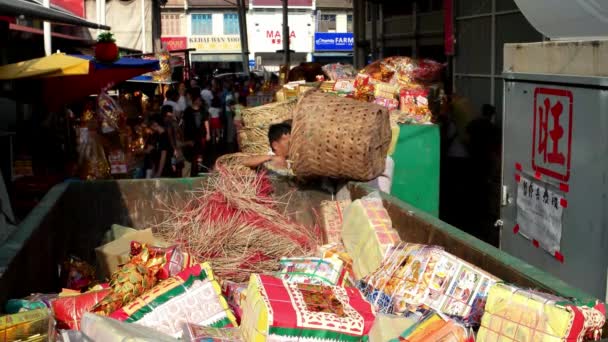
(385, 90)
(387, 327)
(394, 138)
(29, 325)
(367, 234)
(116, 231)
(513, 314)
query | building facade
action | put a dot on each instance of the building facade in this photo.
(210, 27)
(333, 41)
(265, 32)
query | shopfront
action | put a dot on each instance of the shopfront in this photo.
(217, 53)
(333, 47)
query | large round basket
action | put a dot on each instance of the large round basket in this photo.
(257, 120)
(339, 137)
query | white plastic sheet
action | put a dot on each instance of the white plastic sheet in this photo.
(567, 19)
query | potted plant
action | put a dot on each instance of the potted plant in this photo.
(106, 49)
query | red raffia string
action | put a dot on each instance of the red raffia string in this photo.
(234, 223)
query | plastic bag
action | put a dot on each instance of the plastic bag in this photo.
(339, 71)
(68, 311)
(99, 328)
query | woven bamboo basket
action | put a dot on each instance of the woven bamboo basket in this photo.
(339, 137)
(257, 120)
(234, 163)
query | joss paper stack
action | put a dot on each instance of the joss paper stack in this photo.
(416, 277)
(319, 271)
(192, 296)
(434, 327)
(332, 215)
(367, 234)
(276, 310)
(513, 314)
(336, 250)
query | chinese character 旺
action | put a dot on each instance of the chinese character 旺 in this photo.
(555, 134)
(538, 194)
(525, 188)
(554, 201)
(530, 190)
(546, 196)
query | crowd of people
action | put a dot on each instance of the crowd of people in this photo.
(191, 126)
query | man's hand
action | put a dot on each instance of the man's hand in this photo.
(279, 162)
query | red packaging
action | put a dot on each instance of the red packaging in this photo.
(68, 311)
(177, 260)
(414, 101)
(427, 70)
(388, 103)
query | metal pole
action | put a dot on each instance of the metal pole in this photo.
(46, 26)
(286, 57)
(243, 33)
(359, 21)
(415, 29)
(102, 9)
(493, 54)
(380, 54)
(374, 36)
(143, 26)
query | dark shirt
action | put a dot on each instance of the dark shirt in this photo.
(193, 132)
(164, 144)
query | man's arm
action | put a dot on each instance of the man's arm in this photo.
(256, 161)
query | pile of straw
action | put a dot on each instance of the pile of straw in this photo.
(234, 163)
(234, 224)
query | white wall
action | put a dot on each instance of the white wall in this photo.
(341, 22)
(218, 23)
(265, 26)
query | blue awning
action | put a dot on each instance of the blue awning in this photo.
(124, 62)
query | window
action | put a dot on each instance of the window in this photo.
(231, 23)
(349, 23)
(327, 23)
(171, 24)
(202, 24)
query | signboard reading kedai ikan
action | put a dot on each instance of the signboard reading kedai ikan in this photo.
(215, 43)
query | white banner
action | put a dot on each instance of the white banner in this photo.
(540, 213)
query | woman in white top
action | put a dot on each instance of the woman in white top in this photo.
(215, 122)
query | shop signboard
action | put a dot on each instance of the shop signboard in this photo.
(174, 43)
(75, 7)
(215, 43)
(332, 41)
(279, 3)
(267, 33)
